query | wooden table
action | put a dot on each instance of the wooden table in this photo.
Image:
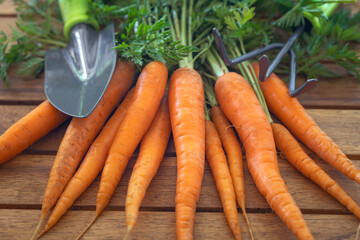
(334, 104)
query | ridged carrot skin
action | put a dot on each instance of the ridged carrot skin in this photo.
(233, 151)
(293, 152)
(240, 104)
(91, 166)
(35, 125)
(149, 92)
(295, 118)
(217, 160)
(81, 133)
(152, 150)
(186, 105)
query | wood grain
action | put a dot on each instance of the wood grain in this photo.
(7, 8)
(341, 125)
(24, 178)
(19, 224)
(6, 22)
(23, 181)
(341, 93)
(22, 90)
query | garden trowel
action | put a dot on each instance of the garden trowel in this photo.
(77, 76)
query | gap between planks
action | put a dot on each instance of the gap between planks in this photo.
(307, 106)
(172, 209)
(353, 157)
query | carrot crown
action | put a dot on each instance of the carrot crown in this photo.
(188, 26)
(235, 20)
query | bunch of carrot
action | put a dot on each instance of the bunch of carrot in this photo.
(112, 148)
(148, 115)
(246, 108)
(182, 109)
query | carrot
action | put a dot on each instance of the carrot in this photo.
(216, 157)
(233, 151)
(186, 105)
(234, 154)
(149, 91)
(231, 146)
(91, 166)
(80, 134)
(29, 129)
(293, 152)
(294, 117)
(240, 104)
(152, 150)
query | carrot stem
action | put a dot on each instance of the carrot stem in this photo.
(217, 67)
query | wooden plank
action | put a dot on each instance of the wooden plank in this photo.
(353, 7)
(341, 125)
(7, 8)
(343, 93)
(23, 181)
(22, 90)
(19, 224)
(5, 23)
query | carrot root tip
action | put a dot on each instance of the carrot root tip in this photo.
(357, 232)
(248, 223)
(37, 229)
(41, 234)
(127, 233)
(87, 227)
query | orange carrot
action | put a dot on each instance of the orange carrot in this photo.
(293, 152)
(152, 150)
(233, 151)
(149, 91)
(294, 117)
(80, 134)
(216, 157)
(91, 166)
(240, 104)
(186, 105)
(29, 129)
(234, 154)
(231, 146)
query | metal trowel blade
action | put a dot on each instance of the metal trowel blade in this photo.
(77, 76)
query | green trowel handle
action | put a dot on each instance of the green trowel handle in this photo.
(74, 12)
(327, 9)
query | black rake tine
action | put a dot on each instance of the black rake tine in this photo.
(229, 62)
(285, 49)
(263, 67)
(310, 83)
(221, 46)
